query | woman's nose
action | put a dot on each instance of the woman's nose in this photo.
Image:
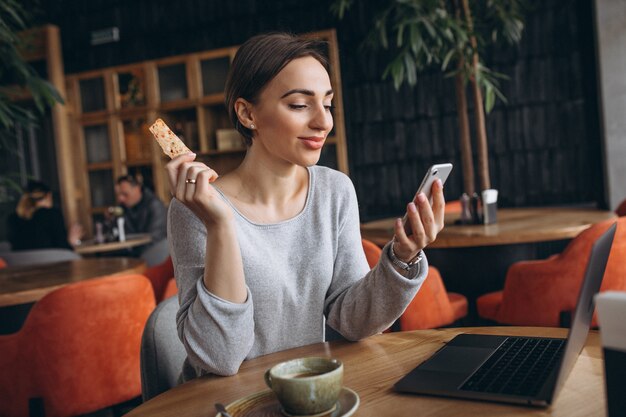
(323, 120)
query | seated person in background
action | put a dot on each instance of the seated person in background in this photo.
(263, 253)
(143, 211)
(37, 225)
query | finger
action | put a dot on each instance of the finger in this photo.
(439, 203)
(415, 220)
(427, 220)
(403, 246)
(186, 172)
(399, 233)
(173, 167)
(202, 187)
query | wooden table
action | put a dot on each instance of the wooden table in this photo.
(26, 284)
(373, 365)
(91, 247)
(515, 225)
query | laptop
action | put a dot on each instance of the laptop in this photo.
(511, 369)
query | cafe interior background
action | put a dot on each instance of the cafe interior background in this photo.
(552, 143)
(558, 140)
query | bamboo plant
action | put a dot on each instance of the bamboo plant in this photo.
(450, 34)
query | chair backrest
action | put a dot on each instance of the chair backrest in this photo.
(3, 264)
(39, 256)
(162, 352)
(431, 306)
(156, 253)
(159, 275)
(171, 289)
(372, 252)
(78, 350)
(621, 209)
(556, 281)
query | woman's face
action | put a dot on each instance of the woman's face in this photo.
(292, 115)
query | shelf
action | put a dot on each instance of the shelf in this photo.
(138, 163)
(214, 99)
(222, 152)
(99, 166)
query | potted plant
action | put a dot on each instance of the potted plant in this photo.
(452, 34)
(20, 84)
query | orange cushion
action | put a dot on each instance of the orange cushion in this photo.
(489, 304)
(431, 306)
(459, 305)
(159, 276)
(170, 289)
(372, 252)
(621, 209)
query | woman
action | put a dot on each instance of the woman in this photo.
(37, 225)
(265, 252)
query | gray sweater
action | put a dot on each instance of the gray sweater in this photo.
(297, 272)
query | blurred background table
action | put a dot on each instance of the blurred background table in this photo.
(93, 248)
(515, 225)
(374, 364)
(27, 284)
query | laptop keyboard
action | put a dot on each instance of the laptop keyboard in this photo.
(519, 366)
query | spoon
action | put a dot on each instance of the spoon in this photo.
(222, 410)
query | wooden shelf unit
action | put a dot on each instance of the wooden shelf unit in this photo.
(113, 107)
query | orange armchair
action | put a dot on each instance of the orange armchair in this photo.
(3, 264)
(536, 293)
(159, 275)
(78, 350)
(433, 306)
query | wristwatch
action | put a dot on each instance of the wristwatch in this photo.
(405, 266)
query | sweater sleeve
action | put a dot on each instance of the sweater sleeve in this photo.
(217, 334)
(361, 302)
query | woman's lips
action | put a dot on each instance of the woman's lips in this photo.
(313, 142)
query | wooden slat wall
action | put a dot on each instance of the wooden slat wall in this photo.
(544, 144)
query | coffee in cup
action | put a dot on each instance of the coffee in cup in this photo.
(306, 386)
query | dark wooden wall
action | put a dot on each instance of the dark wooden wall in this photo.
(544, 143)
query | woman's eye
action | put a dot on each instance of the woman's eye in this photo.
(329, 107)
(297, 106)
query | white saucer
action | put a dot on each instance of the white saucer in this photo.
(265, 404)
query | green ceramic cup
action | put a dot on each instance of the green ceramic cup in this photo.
(306, 386)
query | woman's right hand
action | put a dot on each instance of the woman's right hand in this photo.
(199, 196)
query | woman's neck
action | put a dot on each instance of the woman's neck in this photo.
(264, 191)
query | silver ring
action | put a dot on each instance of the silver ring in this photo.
(190, 181)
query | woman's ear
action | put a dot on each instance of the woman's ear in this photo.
(243, 108)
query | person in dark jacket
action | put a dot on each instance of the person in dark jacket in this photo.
(36, 224)
(143, 211)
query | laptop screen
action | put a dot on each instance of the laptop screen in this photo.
(585, 306)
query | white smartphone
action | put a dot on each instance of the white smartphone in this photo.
(437, 171)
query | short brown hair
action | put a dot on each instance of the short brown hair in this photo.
(258, 61)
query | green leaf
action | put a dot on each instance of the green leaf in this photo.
(490, 99)
(411, 74)
(446, 60)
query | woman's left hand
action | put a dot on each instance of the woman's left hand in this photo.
(425, 221)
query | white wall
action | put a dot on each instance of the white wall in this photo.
(610, 21)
